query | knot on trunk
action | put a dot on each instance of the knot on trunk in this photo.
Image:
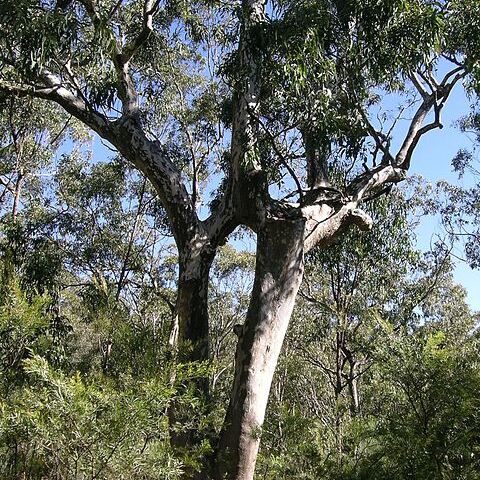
(361, 219)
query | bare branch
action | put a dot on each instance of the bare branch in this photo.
(281, 157)
(54, 140)
(8, 184)
(418, 85)
(361, 219)
(453, 60)
(457, 72)
(325, 222)
(122, 56)
(404, 155)
(429, 79)
(436, 100)
(377, 177)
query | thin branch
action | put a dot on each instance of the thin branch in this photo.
(379, 138)
(317, 302)
(453, 60)
(429, 79)
(114, 9)
(7, 184)
(131, 240)
(456, 72)
(60, 133)
(191, 143)
(150, 7)
(281, 157)
(416, 82)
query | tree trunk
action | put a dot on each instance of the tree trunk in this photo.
(278, 274)
(192, 305)
(189, 340)
(353, 389)
(16, 195)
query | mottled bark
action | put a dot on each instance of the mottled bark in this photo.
(278, 274)
(190, 335)
(192, 303)
(249, 187)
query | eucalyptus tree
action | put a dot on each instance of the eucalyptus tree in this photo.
(276, 100)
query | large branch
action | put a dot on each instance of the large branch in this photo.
(122, 57)
(242, 200)
(325, 223)
(222, 221)
(431, 101)
(153, 160)
(53, 89)
(247, 182)
(130, 139)
(150, 7)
